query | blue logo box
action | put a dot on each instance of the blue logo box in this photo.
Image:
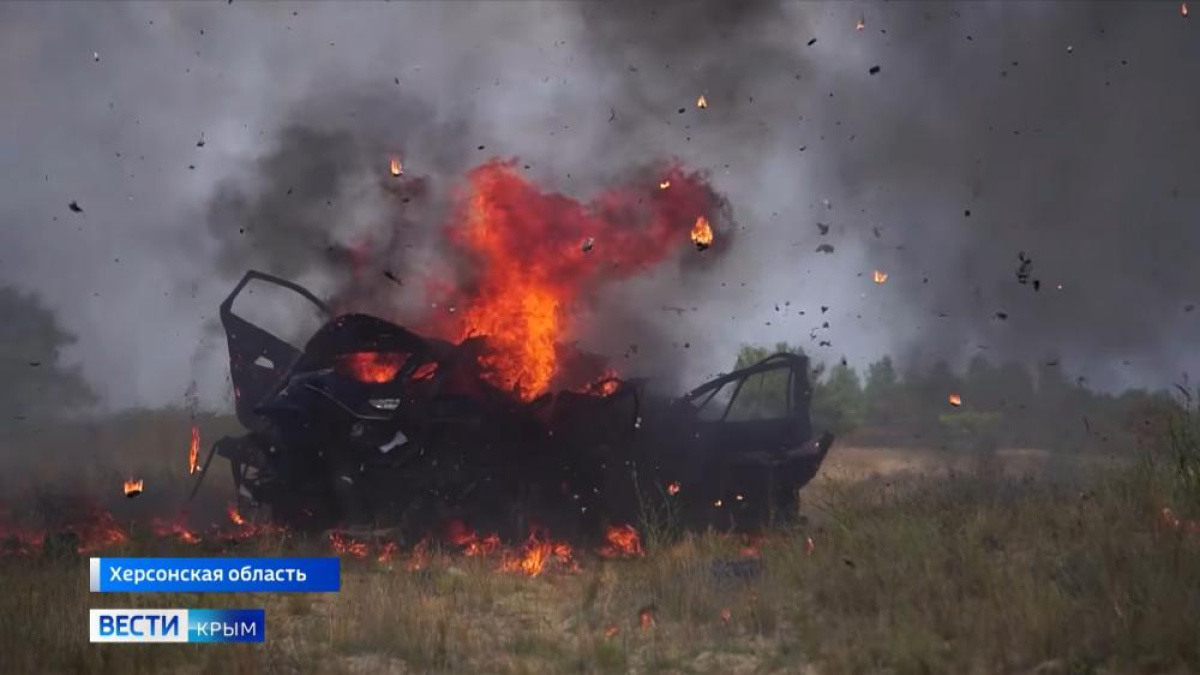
(177, 625)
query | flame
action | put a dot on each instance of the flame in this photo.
(673, 488)
(702, 102)
(235, 517)
(1183, 9)
(880, 277)
(529, 272)
(623, 542)
(537, 551)
(387, 551)
(862, 23)
(664, 184)
(395, 167)
(133, 487)
(342, 544)
(955, 400)
(372, 367)
(702, 234)
(176, 528)
(470, 543)
(194, 451)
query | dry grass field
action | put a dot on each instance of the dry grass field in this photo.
(902, 562)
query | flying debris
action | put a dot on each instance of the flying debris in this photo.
(588, 244)
(879, 277)
(825, 248)
(75, 208)
(133, 487)
(664, 184)
(873, 70)
(1183, 10)
(823, 228)
(673, 488)
(862, 22)
(702, 102)
(955, 400)
(395, 167)
(702, 234)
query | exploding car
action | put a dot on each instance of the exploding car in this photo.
(372, 424)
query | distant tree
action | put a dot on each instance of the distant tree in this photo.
(838, 403)
(881, 394)
(32, 381)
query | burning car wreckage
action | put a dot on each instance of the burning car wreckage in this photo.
(371, 424)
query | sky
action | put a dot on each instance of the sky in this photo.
(940, 143)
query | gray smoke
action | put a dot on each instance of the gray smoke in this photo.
(1068, 132)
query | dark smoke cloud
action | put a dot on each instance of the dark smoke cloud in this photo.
(1082, 159)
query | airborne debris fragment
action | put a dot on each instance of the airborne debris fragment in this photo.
(955, 400)
(96, 55)
(825, 248)
(74, 206)
(396, 168)
(133, 487)
(392, 277)
(823, 228)
(873, 70)
(1025, 268)
(588, 244)
(702, 102)
(862, 22)
(1183, 10)
(812, 42)
(664, 184)
(879, 277)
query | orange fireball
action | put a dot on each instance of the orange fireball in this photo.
(527, 275)
(702, 234)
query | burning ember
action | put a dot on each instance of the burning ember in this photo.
(396, 168)
(702, 102)
(346, 545)
(536, 553)
(702, 234)
(194, 451)
(235, 517)
(469, 542)
(862, 23)
(623, 542)
(955, 400)
(673, 488)
(880, 277)
(646, 617)
(387, 551)
(133, 487)
(1183, 10)
(177, 529)
(524, 245)
(664, 184)
(809, 546)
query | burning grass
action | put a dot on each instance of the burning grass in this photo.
(971, 573)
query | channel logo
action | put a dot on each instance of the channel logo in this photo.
(177, 625)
